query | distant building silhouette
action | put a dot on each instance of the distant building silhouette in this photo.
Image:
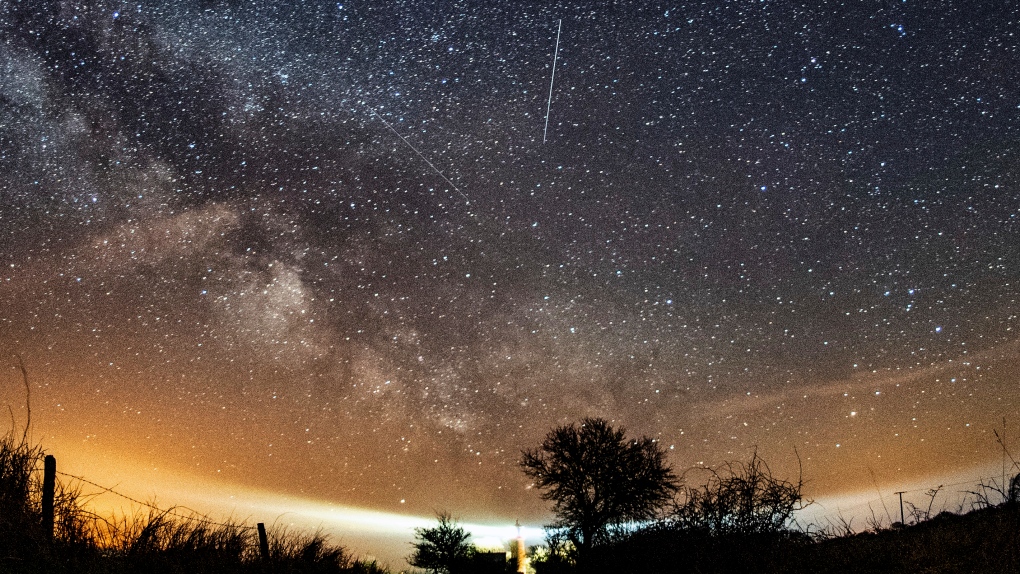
(486, 562)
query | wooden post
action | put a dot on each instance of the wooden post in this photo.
(263, 541)
(902, 521)
(49, 485)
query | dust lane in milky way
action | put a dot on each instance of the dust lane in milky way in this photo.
(322, 250)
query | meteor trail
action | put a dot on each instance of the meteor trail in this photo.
(552, 79)
(422, 156)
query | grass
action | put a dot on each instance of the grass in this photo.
(157, 542)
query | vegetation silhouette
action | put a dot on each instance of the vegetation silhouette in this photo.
(598, 480)
(443, 549)
(739, 498)
(742, 520)
(157, 542)
(982, 540)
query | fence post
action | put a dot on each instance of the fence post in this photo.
(49, 485)
(903, 521)
(263, 541)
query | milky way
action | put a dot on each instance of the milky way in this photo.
(754, 224)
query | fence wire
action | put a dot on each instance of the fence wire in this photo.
(195, 516)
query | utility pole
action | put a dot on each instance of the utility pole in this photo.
(902, 522)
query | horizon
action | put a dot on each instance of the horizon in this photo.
(362, 255)
(387, 536)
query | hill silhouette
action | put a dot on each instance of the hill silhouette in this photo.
(984, 540)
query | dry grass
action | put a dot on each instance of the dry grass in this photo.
(159, 541)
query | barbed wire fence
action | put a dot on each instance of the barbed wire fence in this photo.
(193, 516)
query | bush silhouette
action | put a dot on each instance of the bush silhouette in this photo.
(740, 498)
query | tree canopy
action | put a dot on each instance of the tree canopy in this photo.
(597, 478)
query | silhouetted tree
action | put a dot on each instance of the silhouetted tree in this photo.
(597, 478)
(442, 549)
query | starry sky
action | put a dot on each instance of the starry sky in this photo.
(330, 250)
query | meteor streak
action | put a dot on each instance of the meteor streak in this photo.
(422, 156)
(552, 79)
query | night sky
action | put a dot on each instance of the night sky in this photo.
(320, 249)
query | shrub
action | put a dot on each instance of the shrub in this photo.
(740, 498)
